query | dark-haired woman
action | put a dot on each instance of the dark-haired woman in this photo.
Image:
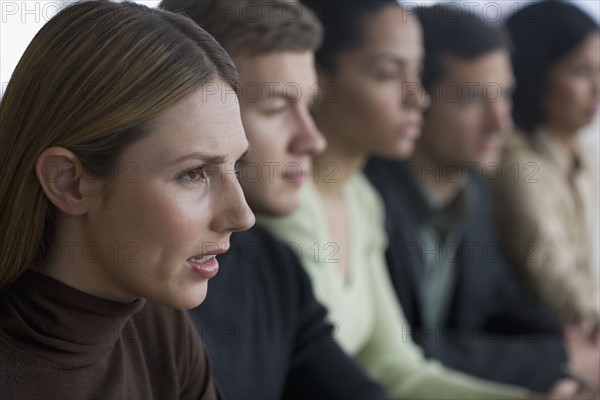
(547, 200)
(109, 218)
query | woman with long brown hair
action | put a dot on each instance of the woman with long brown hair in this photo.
(120, 134)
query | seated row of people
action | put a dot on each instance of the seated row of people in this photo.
(365, 139)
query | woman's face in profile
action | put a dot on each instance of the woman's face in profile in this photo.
(572, 94)
(175, 202)
(378, 99)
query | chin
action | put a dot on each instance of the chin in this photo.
(184, 299)
(186, 304)
(585, 123)
(490, 157)
(282, 208)
(280, 203)
(399, 151)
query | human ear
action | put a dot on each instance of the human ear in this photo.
(61, 177)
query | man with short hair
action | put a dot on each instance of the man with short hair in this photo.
(266, 333)
(457, 292)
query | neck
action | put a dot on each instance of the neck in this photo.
(430, 173)
(68, 260)
(339, 162)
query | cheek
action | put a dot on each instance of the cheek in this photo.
(382, 122)
(567, 94)
(268, 139)
(563, 95)
(182, 218)
(452, 129)
(444, 119)
(580, 92)
(269, 156)
(386, 106)
(161, 221)
(372, 105)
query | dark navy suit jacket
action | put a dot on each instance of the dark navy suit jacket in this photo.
(494, 329)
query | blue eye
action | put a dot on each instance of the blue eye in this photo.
(197, 174)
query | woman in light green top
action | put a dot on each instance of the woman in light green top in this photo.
(370, 103)
(361, 302)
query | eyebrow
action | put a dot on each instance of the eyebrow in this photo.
(215, 159)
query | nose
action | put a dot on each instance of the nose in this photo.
(415, 96)
(308, 139)
(232, 213)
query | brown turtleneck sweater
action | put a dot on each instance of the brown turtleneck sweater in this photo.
(57, 342)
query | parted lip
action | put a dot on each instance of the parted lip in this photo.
(295, 175)
(300, 170)
(411, 129)
(215, 252)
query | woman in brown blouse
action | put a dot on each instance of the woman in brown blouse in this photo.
(119, 136)
(547, 199)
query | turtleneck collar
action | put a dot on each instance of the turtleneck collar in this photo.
(60, 324)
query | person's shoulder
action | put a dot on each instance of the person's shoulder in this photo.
(519, 147)
(589, 153)
(522, 164)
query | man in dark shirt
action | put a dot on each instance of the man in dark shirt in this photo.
(266, 333)
(458, 293)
